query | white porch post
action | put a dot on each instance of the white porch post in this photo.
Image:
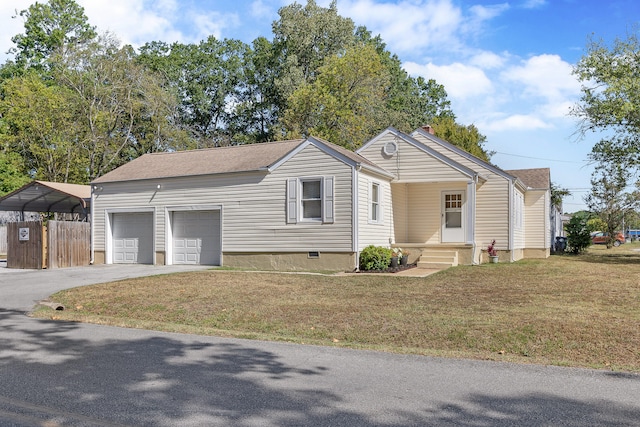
(471, 212)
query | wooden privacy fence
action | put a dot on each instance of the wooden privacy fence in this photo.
(68, 244)
(59, 244)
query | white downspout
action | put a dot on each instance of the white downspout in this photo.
(92, 227)
(512, 187)
(471, 190)
(354, 212)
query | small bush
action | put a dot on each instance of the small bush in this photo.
(375, 258)
(578, 236)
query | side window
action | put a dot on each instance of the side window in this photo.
(375, 206)
(310, 199)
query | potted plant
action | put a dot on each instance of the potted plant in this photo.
(493, 253)
(405, 257)
(395, 257)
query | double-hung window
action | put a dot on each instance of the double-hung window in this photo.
(310, 199)
(375, 206)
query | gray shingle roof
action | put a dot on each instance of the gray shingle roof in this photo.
(241, 158)
(539, 178)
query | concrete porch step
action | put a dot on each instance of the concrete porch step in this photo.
(438, 259)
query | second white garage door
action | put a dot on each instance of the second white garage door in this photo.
(196, 237)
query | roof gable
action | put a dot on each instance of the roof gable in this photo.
(422, 147)
(459, 151)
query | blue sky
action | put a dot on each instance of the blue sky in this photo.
(505, 65)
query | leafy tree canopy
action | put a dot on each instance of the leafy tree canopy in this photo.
(50, 27)
(610, 101)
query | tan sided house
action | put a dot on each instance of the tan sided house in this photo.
(309, 204)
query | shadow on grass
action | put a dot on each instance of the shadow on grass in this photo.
(62, 373)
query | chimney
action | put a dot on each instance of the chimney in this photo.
(429, 129)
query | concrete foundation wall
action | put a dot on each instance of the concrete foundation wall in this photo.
(291, 261)
(537, 252)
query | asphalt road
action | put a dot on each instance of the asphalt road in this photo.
(69, 374)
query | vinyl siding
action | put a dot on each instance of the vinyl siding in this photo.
(400, 200)
(537, 220)
(425, 211)
(411, 164)
(253, 206)
(492, 199)
(374, 233)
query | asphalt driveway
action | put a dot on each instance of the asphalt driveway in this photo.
(20, 290)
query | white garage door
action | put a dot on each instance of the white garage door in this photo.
(132, 238)
(196, 237)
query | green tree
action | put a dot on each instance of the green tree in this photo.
(596, 224)
(411, 102)
(610, 101)
(209, 79)
(609, 199)
(346, 102)
(468, 138)
(558, 194)
(50, 27)
(121, 109)
(12, 175)
(257, 110)
(307, 35)
(40, 127)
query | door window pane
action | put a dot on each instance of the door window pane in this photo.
(453, 219)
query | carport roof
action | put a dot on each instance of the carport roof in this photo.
(43, 196)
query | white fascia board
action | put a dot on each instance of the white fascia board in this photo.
(288, 156)
(464, 154)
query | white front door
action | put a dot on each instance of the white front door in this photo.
(453, 216)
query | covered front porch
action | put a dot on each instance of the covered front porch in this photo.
(435, 222)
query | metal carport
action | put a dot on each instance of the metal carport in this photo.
(44, 196)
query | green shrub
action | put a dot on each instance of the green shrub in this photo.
(578, 236)
(375, 258)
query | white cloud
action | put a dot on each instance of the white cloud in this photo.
(546, 76)
(534, 4)
(519, 122)
(212, 24)
(484, 13)
(139, 21)
(409, 24)
(487, 60)
(134, 22)
(460, 81)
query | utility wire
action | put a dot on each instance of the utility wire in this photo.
(538, 158)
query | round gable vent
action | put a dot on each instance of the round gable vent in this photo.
(390, 148)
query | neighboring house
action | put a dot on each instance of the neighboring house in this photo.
(539, 235)
(310, 204)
